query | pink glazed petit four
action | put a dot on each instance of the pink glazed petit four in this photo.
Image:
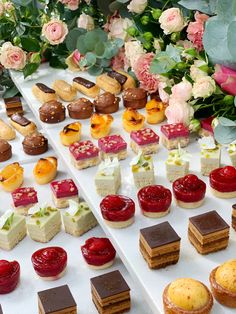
(145, 140)
(206, 127)
(174, 135)
(112, 146)
(24, 199)
(63, 191)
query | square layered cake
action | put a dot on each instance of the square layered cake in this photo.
(234, 216)
(143, 170)
(84, 154)
(112, 146)
(159, 245)
(57, 300)
(232, 153)
(210, 160)
(177, 164)
(174, 135)
(63, 191)
(208, 232)
(13, 105)
(12, 230)
(44, 223)
(206, 127)
(78, 219)
(110, 293)
(145, 140)
(24, 199)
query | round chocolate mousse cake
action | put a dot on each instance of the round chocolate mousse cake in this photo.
(106, 103)
(52, 112)
(135, 98)
(35, 144)
(5, 150)
(81, 108)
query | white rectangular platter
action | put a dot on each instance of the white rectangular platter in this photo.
(126, 241)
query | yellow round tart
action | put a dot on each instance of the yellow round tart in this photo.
(223, 283)
(187, 296)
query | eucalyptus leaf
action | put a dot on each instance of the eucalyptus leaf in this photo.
(200, 5)
(226, 9)
(114, 6)
(81, 45)
(122, 1)
(227, 122)
(225, 134)
(23, 3)
(91, 58)
(95, 70)
(162, 64)
(174, 52)
(71, 38)
(232, 39)
(100, 49)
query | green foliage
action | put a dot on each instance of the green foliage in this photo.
(205, 6)
(71, 38)
(225, 132)
(30, 68)
(30, 44)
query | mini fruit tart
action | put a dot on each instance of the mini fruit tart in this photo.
(50, 263)
(155, 111)
(98, 253)
(118, 211)
(132, 120)
(45, 170)
(9, 276)
(100, 125)
(189, 191)
(154, 201)
(71, 133)
(223, 182)
(11, 177)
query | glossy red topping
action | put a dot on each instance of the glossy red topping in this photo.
(50, 261)
(206, 124)
(83, 150)
(64, 188)
(154, 198)
(144, 137)
(117, 208)
(98, 251)
(189, 189)
(175, 130)
(223, 179)
(9, 276)
(24, 197)
(112, 144)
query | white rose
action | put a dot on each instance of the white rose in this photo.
(133, 50)
(85, 21)
(204, 87)
(118, 28)
(137, 6)
(195, 72)
(172, 20)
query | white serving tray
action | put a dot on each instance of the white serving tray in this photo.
(126, 241)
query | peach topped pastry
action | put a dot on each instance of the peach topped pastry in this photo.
(155, 111)
(223, 283)
(132, 120)
(187, 296)
(11, 177)
(45, 170)
(100, 125)
(71, 133)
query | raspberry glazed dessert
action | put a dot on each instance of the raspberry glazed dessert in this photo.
(223, 182)
(154, 201)
(9, 276)
(189, 191)
(98, 253)
(50, 263)
(118, 211)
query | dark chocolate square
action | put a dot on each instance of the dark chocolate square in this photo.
(1, 312)
(159, 235)
(109, 284)
(209, 222)
(56, 299)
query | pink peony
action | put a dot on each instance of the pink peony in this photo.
(195, 30)
(226, 78)
(179, 113)
(55, 31)
(71, 4)
(12, 57)
(182, 91)
(148, 81)
(118, 62)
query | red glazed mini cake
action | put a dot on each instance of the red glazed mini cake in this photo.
(174, 135)
(50, 263)
(24, 199)
(118, 211)
(63, 191)
(112, 146)
(98, 253)
(154, 201)
(9, 276)
(189, 191)
(84, 154)
(145, 140)
(223, 182)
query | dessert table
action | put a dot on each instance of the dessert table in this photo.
(150, 283)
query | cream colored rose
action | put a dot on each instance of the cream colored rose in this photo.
(137, 6)
(12, 57)
(55, 31)
(133, 50)
(172, 20)
(85, 21)
(179, 112)
(195, 71)
(204, 87)
(182, 91)
(2, 9)
(157, 45)
(118, 28)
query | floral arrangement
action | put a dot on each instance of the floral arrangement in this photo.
(183, 51)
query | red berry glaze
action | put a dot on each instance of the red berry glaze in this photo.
(50, 261)
(189, 189)
(117, 208)
(154, 198)
(9, 276)
(98, 251)
(223, 179)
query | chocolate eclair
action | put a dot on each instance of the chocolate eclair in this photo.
(23, 125)
(135, 98)
(5, 150)
(86, 87)
(106, 103)
(35, 144)
(43, 93)
(52, 112)
(81, 108)
(123, 78)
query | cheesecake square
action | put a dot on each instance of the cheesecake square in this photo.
(143, 170)
(208, 232)
(174, 135)
(12, 230)
(110, 293)
(84, 154)
(44, 223)
(112, 146)
(210, 160)
(232, 153)
(159, 245)
(58, 300)
(177, 164)
(234, 216)
(24, 199)
(78, 219)
(63, 191)
(145, 140)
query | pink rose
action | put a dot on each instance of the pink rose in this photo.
(172, 20)
(12, 57)
(137, 6)
(162, 93)
(226, 78)
(182, 91)
(73, 61)
(179, 113)
(55, 31)
(118, 62)
(85, 21)
(71, 4)
(195, 30)
(148, 81)
(133, 50)
(117, 27)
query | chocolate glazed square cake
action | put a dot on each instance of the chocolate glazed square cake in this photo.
(234, 217)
